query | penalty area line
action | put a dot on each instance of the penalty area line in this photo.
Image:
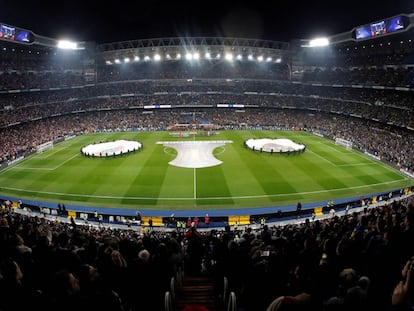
(195, 184)
(18, 165)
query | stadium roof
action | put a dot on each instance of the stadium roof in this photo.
(132, 20)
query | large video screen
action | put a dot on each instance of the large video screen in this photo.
(381, 28)
(10, 33)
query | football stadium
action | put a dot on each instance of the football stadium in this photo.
(213, 170)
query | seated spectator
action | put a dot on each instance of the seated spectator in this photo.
(14, 293)
(403, 294)
(95, 295)
(298, 302)
(63, 292)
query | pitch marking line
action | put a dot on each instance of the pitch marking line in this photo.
(344, 165)
(373, 160)
(356, 164)
(56, 148)
(199, 198)
(46, 155)
(195, 184)
(321, 157)
(43, 168)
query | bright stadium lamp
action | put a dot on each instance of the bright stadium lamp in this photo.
(318, 42)
(67, 45)
(229, 57)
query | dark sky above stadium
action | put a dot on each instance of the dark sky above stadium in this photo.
(111, 21)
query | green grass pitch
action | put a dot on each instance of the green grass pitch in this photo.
(246, 178)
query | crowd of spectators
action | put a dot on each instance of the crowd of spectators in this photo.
(390, 144)
(359, 260)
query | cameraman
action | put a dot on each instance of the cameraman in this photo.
(403, 294)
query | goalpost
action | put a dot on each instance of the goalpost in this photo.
(44, 146)
(343, 142)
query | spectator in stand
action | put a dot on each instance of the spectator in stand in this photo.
(194, 250)
(14, 292)
(403, 294)
(193, 307)
(94, 294)
(64, 292)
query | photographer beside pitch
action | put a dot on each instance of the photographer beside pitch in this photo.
(403, 294)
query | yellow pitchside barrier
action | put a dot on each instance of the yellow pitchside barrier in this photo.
(72, 214)
(241, 220)
(318, 211)
(156, 221)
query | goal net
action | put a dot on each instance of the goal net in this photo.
(45, 146)
(343, 142)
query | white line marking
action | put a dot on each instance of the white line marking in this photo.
(32, 168)
(47, 155)
(192, 198)
(195, 184)
(43, 168)
(350, 164)
(357, 164)
(321, 157)
(66, 161)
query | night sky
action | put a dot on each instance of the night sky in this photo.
(92, 20)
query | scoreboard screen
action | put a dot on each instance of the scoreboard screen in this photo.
(14, 34)
(381, 28)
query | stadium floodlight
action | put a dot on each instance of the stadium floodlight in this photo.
(318, 42)
(278, 60)
(157, 57)
(229, 57)
(147, 58)
(108, 62)
(117, 61)
(168, 56)
(188, 56)
(207, 55)
(196, 55)
(269, 59)
(260, 58)
(136, 58)
(126, 60)
(250, 57)
(178, 56)
(67, 45)
(239, 57)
